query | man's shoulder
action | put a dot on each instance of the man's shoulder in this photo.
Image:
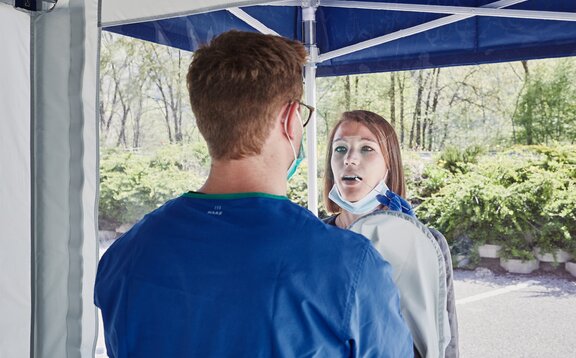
(344, 244)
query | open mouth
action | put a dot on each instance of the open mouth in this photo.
(351, 178)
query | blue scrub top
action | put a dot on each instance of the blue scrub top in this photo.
(246, 275)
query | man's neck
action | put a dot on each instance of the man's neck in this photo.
(252, 174)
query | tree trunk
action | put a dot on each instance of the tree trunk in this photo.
(356, 91)
(177, 111)
(401, 86)
(392, 97)
(434, 108)
(427, 108)
(528, 127)
(122, 131)
(347, 93)
(415, 130)
(137, 128)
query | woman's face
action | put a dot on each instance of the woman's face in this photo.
(356, 155)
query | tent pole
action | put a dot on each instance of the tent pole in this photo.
(309, 34)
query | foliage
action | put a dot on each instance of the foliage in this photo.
(462, 245)
(143, 96)
(132, 183)
(298, 185)
(457, 161)
(144, 100)
(526, 193)
(433, 179)
(298, 189)
(451, 162)
(520, 198)
(547, 107)
(513, 252)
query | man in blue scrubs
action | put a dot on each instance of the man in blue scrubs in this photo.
(235, 269)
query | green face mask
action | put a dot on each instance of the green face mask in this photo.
(297, 157)
(296, 162)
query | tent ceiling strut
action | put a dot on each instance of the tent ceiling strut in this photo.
(407, 32)
(256, 24)
(462, 10)
(442, 9)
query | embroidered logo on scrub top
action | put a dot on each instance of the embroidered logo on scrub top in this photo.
(217, 210)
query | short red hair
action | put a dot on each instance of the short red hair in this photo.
(237, 84)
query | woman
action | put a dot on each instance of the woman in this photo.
(364, 163)
(364, 173)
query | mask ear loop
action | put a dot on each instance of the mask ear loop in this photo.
(286, 130)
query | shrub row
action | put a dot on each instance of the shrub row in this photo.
(521, 198)
(135, 183)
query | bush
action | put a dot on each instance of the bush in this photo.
(458, 161)
(298, 189)
(133, 184)
(521, 198)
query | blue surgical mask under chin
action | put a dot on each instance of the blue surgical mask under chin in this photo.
(363, 206)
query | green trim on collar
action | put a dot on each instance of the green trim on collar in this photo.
(196, 195)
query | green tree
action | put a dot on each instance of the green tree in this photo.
(547, 108)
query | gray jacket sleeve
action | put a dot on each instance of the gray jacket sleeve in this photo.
(452, 351)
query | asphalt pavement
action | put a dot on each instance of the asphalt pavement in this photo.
(511, 315)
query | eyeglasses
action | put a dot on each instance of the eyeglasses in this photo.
(305, 112)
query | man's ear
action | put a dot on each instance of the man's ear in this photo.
(292, 123)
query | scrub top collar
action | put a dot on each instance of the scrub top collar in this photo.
(199, 195)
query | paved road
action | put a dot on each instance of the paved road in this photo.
(505, 315)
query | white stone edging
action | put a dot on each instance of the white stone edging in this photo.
(519, 266)
(561, 256)
(571, 267)
(489, 251)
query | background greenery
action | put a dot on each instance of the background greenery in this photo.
(489, 150)
(520, 198)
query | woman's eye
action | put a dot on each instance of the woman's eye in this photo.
(367, 149)
(340, 149)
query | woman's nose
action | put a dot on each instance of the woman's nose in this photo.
(351, 158)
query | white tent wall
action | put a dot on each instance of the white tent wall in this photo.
(48, 153)
(15, 243)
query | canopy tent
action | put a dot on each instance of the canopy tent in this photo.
(49, 127)
(354, 37)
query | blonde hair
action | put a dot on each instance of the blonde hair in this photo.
(237, 84)
(389, 146)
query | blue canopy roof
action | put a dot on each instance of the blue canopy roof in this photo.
(472, 40)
